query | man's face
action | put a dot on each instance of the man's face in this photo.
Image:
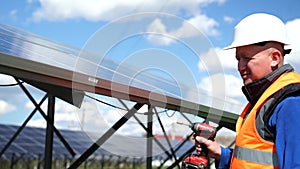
(254, 62)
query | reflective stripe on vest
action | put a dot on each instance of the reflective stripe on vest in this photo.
(256, 156)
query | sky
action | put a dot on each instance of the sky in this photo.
(79, 23)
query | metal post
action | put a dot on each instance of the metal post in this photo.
(149, 137)
(49, 133)
(12, 161)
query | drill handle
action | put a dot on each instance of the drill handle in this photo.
(204, 151)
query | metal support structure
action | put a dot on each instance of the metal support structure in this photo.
(106, 136)
(37, 106)
(149, 137)
(147, 129)
(166, 137)
(50, 126)
(12, 161)
(180, 158)
(39, 161)
(131, 113)
(49, 133)
(21, 127)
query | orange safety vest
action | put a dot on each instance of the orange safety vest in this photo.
(251, 150)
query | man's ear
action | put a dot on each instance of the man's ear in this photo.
(277, 58)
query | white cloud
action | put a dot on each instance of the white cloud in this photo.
(29, 105)
(226, 96)
(41, 123)
(97, 117)
(101, 10)
(97, 10)
(65, 115)
(218, 57)
(232, 85)
(205, 24)
(228, 19)
(6, 107)
(5, 79)
(159, 37)
(294, 37)
(223, 87)
(194, 26)
(13, 12)
(227, 59)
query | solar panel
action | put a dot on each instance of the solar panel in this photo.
(63, 70)
(79, 141)
(25, 45)
(28, 46)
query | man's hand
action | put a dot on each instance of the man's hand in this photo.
(214, 149)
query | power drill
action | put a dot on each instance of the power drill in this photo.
(199, 161)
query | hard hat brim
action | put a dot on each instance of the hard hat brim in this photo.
(287, 48)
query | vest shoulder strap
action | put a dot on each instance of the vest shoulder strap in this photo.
(285, 92)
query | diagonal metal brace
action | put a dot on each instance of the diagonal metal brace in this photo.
(106, 136)
(22, 127)
(37, 106)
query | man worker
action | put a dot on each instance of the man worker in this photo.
(266, 131)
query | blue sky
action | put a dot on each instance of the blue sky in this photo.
(77, 29)
(76, 22)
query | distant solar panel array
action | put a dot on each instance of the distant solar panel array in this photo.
(30, 144)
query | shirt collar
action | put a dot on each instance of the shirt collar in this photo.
(255, 89)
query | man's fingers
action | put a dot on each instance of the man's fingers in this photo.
(201, 140)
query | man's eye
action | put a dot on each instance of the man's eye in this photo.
(247, 59)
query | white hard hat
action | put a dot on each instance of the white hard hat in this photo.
(259, 27)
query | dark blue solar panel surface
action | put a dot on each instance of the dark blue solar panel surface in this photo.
(30, 143)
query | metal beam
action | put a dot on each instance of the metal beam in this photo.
(149, 137)
(49, 133)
